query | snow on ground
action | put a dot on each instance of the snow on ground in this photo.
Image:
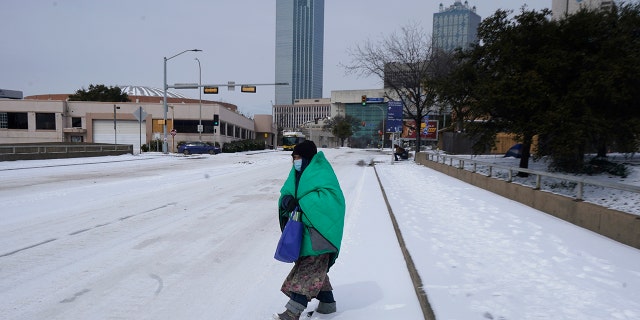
(173, 237)
(620, 200)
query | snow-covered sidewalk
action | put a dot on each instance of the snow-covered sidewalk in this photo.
(487, 257)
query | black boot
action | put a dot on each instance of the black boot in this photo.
(326, 307)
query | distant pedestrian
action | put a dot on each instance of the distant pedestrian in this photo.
(399, 151)
(313, 187)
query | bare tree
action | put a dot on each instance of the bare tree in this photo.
(403, 61)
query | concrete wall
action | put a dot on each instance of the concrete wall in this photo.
(619, 226)
(40, 151)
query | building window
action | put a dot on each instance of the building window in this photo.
(14, 120)
(3, 120)
(45, 121)
(223, 128)
(191, 126)
(76, 122)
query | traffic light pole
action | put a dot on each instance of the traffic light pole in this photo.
(231, 86)
(250, 88)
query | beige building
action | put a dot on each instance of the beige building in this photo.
(291, 117)
(32, 120)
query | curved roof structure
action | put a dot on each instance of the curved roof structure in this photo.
(149, 92)
(143, 94)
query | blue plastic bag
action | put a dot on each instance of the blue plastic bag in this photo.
(290, 242)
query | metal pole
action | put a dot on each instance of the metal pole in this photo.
(115, 131)
(164, 123)
(140, 129)
(200, 99)
(173, 126)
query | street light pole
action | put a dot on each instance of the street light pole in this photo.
(200, 99)
(165, 87)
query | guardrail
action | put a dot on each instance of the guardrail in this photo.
(61, 150)
(472, 165)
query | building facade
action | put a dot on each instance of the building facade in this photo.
(32, 120)
(293, 116)
(299, 50)
(561, 8)
(371, 116)
(455, 26)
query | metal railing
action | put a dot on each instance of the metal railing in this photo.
(490, 170)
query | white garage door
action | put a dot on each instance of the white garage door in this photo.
(127, 132)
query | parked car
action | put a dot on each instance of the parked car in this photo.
(195, 147)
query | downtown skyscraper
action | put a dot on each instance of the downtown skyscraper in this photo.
(455, 27)
(299, 49)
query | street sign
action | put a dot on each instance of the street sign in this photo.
(186, 86)
(140, 114)
(174, 132)
(394, 116)
(375, 100)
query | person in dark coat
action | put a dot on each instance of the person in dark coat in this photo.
(399, 151)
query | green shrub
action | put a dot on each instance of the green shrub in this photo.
(600, 165)
(242, 145)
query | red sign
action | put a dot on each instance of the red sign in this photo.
(428, 131)
(174, 132)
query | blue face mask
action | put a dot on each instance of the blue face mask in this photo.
(297, 164)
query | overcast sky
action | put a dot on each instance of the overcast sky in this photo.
(65, 45)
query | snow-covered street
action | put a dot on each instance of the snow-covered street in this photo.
(174, 237)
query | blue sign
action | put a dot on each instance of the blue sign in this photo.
(375, 100)
(394, 116)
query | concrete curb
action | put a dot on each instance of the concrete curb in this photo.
(427, 311)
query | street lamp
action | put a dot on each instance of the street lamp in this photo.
(200, 99)
(165, 87)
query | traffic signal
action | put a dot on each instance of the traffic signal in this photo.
(210, 90)
(216, 120)
(248, 89)
(364, 99)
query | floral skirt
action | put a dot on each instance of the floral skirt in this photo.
(308, 276)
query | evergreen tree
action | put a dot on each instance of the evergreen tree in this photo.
(100, 93)
(512, 71)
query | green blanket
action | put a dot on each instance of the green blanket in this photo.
(322, 203)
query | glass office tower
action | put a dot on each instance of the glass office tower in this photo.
(455, 26)
(299, 49)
